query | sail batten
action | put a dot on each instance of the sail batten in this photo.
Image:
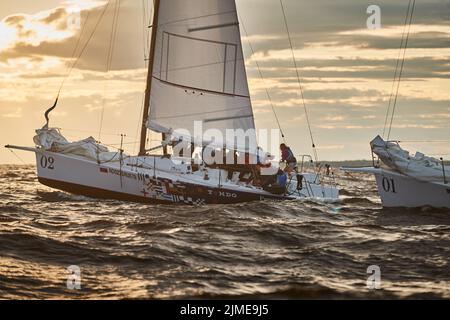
(228, 118)
(231, 24)
(199, 70)
(202, 90)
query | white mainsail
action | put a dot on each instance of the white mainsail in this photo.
(198, 68)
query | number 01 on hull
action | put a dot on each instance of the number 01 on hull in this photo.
(399, 190)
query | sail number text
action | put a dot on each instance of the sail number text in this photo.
(47, 162)
(388, 185)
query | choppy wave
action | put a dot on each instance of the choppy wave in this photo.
(280, 250)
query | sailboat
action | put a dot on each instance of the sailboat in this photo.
(403, 179)
(196, 77)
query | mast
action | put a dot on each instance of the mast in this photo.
(149, 78)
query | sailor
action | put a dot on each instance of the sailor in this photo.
(288, 156)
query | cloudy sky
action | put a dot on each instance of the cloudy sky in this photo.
(347, 72)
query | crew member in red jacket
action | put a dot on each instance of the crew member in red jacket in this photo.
(288, 156)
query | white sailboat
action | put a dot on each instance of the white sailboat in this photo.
(196, 76)
(406, 180)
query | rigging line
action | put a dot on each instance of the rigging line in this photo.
(114, 145)
(47, 113)
(112, 41)
(69, 71)
(264, 82)
(75, 63)
(388, 112)
(144, 31)
(147, 37)
(113, 38)
(150, 13)
(423, 141)
(198, 17)
(146, 23)
(88, 131)
(299, 81)
(402, 67)
(17, 156)
(140, 121)
(145, 47)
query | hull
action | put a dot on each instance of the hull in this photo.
(135, 181)
(398, 190)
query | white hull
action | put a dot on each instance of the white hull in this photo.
(138, 180)
(398, 190)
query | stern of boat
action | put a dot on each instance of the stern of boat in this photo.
(312, 186)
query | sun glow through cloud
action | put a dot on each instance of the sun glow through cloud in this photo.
(8, 35)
